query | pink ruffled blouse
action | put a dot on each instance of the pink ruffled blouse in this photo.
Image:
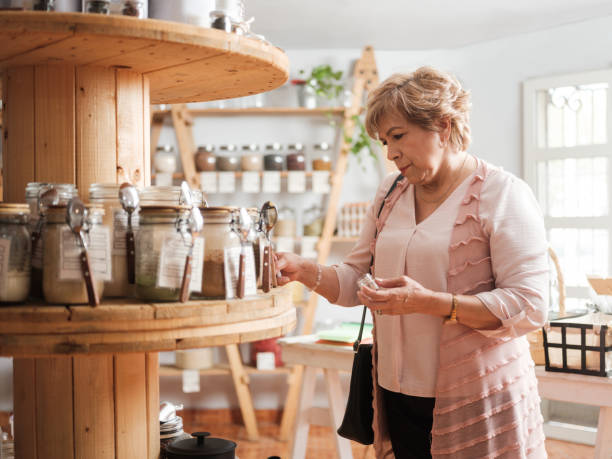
(486, 239)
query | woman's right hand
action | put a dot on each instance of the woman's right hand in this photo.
(288, 267)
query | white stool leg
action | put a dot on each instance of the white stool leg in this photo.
(603, 446)
(337, 405)
(300, 439)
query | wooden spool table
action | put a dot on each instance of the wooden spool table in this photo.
(77, 90)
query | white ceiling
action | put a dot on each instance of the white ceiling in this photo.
(410, 25)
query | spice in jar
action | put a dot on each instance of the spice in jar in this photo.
(157, 226)
(97, 6)
(218, 236)
(14, 253)
(205, 159)
(63, 281)
(227, 159)
(115, 218)
(295, 158)
(322, 162)
(134, 8)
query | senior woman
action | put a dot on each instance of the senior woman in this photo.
(459, 253)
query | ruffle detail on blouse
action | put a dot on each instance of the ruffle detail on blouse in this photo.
(467, 241)
(496, 432)
(476, 285)
(471, 197)
(479, 176)
(468, 263)
(463, 219)
(532, 392)
(493, 389)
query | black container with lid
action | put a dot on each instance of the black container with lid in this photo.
(273, 160)
(201, 447)
(295, 158)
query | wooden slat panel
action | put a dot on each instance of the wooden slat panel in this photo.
(94, 416)
(24, 404)
(130, 405)
(146, 99)
(55, 136)
(54, 402)
(152, 380)
(79, 49)
(96, 152)
(130, 132)
(18, 158)
(18, 40)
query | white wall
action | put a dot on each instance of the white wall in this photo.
(493, 71)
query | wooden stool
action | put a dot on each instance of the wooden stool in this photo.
(589, 390)
(304, 350)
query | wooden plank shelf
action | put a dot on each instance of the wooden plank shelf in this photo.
(284, 174)
(223, 369)
(262, 111)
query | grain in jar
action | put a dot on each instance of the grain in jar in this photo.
(218, 236)
(251, 158)
(227, 159)
(155, 225)
(115, 218)
(322, 160)
(295, 157)
(14, 252)
(205, 159)
(56, 289)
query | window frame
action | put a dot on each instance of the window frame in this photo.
(532, 153)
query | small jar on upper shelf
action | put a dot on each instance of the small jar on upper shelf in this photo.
(14, 252)
(205, 159)
(273, 159)
(251, 160)
(228, 159)
(295, 157)
(322, 158)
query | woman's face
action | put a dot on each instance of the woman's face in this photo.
(417, 152)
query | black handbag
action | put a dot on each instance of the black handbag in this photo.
(359, 414)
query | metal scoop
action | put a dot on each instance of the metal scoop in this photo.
(196, 223)
(268, 217)
(128, 196)
(76, 216)
(46, 198)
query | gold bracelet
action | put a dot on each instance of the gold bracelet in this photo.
(452, 317)
(318, 278)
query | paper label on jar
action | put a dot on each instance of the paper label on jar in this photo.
(5, 251)
(250, 182)
(99, 251)
(320, 182)
(271, 182)
(231, 265)
(208, 182)
(227, 182)
(296, 182)
(120, 219)
(172, 258)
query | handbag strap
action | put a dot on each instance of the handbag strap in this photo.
(363, 314)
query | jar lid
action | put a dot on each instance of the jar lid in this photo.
(228, 147)
(166, 148)
(250, 147)
(166, 196)
(33, 189)
(104, 191)
(7, 208)
(322, 146)
(199, 447)
(208, 147)
(274, 146)
(163, 209)
(295, 146)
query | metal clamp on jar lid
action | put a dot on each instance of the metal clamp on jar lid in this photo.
(15, 246)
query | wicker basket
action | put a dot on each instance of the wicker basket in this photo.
(536, 338)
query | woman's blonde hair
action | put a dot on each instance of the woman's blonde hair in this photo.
(424, 97)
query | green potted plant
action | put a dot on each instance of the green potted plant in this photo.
(323, 82)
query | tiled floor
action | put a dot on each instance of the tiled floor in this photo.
(227, 424)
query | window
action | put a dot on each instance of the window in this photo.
(567, 161)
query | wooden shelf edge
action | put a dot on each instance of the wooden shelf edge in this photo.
(171, 370)
(320, 111)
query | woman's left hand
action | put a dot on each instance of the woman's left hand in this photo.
(399, 295)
